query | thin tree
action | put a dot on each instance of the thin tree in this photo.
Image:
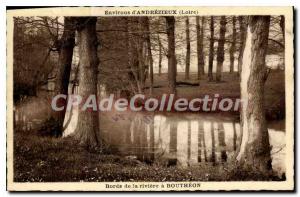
(141, 53)
(211, 49)
(188, 48)
(200, 53)
(243, 29)
(88, 120)
(220, 50)
(282, 26)
(148, 41)
(255, 147)
(232, 47)
(170, 25)
(159, 55)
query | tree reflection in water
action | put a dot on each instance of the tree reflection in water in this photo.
(180, 139)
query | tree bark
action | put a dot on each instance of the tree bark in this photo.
(200, 53)
(170, 25)
(282, 26)
(129, 57)
(88, 120)
(159, 55)
(232, 47)
(255, 147)
(188, 49)
(148, 41)
(66, 45)
(134, 55)
(211, 50)
(243, 29)
(220, 50)
(141, 56)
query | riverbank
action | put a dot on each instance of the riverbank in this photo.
(46, 159)
(229, 87)
(39, 158)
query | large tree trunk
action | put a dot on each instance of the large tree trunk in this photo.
(255, 148)
(88, 120)
(188, 49)
(159, 55)
(220, 51)
(232, 47)
(211, 50)
(243, 29)
(148, 41)
(170, 24)
(200, 53)
(66, 45)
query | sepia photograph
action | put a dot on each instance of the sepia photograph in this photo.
(150, 99)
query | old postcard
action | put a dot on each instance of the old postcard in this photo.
(150, 99)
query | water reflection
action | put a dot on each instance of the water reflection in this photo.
(183, 139)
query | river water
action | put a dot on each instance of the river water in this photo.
(183, 139)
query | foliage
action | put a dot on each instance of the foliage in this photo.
(33, 58)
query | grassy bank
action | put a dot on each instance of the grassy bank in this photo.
(47, 159)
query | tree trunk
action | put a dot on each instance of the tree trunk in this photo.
(148, 41)
(220, 51)
(200, 53)
(141, 59)
(88, 120)
(255, 147)
(211, 50)
(232, 48)
(243, 29)
(188, 49)
(66, 43)
(129, 57)
(170, 24)
(135, 53)
(282, 26)
(159, 55)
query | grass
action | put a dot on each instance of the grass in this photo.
(229, 87)
(47, 159)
